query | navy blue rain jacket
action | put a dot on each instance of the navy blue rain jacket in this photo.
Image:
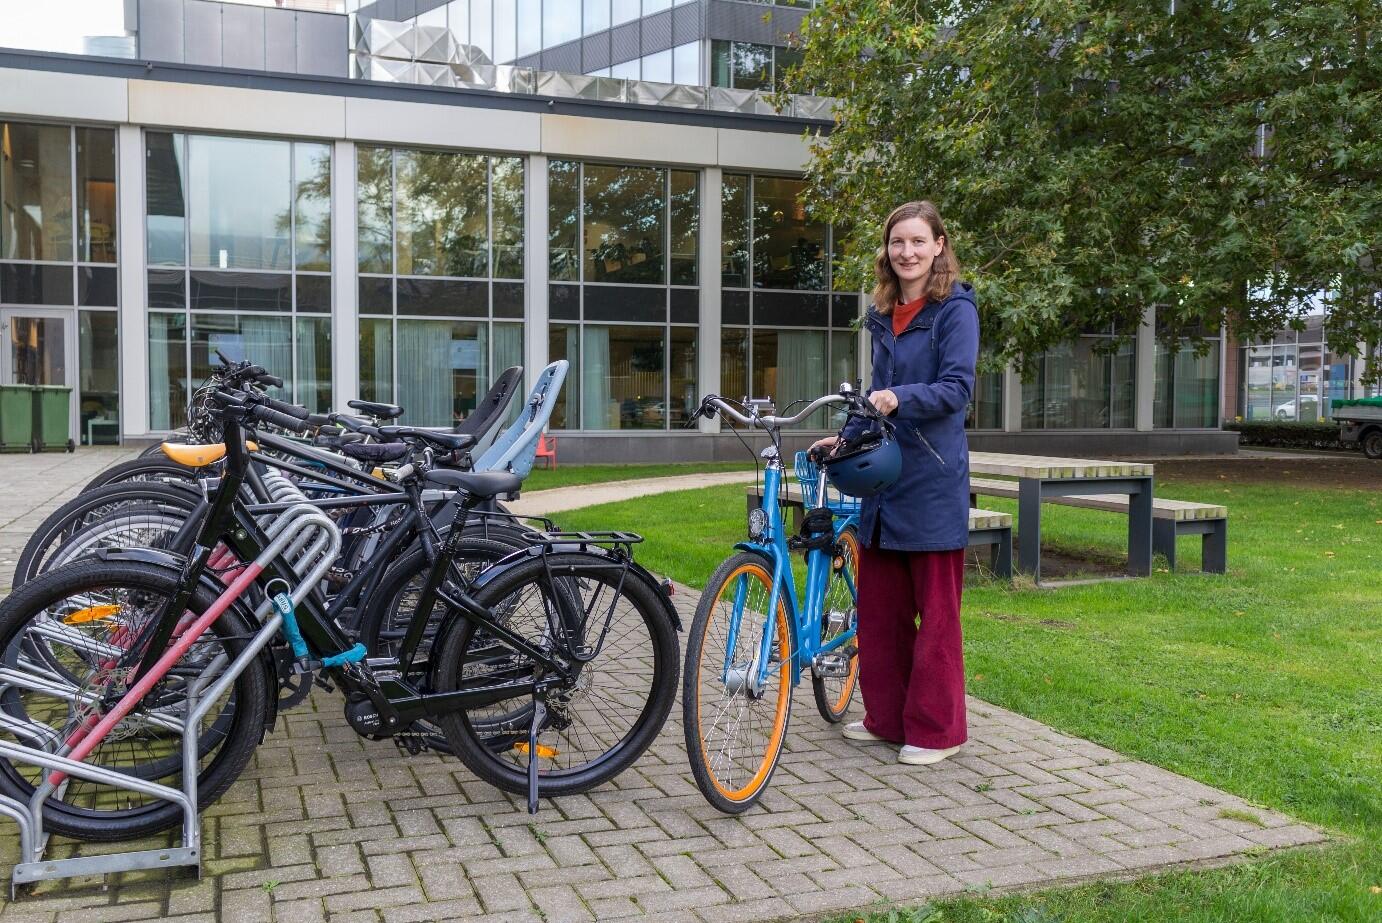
(930, 367)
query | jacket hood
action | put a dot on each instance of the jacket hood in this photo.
(960, 291)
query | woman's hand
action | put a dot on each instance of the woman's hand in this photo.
(885, 402)
(823, 447)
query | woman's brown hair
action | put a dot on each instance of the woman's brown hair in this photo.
(945, 269)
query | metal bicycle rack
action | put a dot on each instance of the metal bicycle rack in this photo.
(304, 539)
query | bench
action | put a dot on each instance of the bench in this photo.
(986, 527)
(1170, 519)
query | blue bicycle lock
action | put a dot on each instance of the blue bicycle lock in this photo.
(284, 604)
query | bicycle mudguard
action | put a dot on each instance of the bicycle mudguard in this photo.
(209, 583)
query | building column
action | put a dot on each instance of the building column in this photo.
(1144, 377)
(708, 272)
(1012, 399)
(345, 301)
(133, 324)
(535, 269)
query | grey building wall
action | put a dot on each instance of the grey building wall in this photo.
(744, 22)
(215, 34)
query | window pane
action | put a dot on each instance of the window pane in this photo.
(99, 375)
(443, 368)
(596, 16)
(623, 224)
(35, 192)
(262, 339)
(312, 199)
(734, 363)
(1308, 381)
(788, 248)
(655, 6)
(1285, 374)
(508, 352)
(313, 371)
(28, 283)
(1163, 392)
(165, 202)
(683, 368)
(508, 217)
(658, 66)
(242, 291)
(987, 408)
(95, 195)
(374, 203)
(622, 377)
(376, 359)
(684, 209)
(238, 203)
(628, 70)
(167, 371)
(686, 63)
(1122, 387)
(783, 60)
(563, 342)
(751, 66)
(481, 35)
(1197, 388)
(97, 287)
(505, 31)
(734, 232)
(720, 63)
(1259, 383)
(441, 214)
(561, 21)
(563, 216)
(1082, 386)
(529, 26)
(625, 10)
(844, 364)
(458, 19)
(789, 366)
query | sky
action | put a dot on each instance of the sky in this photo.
(58, 25)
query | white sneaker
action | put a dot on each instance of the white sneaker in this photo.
(856, 731)
(921, 756)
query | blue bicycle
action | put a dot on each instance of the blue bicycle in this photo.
(753, 637)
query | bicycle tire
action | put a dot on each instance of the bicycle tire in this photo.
(833, 694)
(87, 508)
(158, 467)
(731, 791)
(247, 701)
(468, 733)
(136, 525)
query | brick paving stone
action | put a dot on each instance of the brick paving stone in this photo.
(348, 827)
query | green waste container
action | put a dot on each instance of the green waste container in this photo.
(53, 418)
(16, 418)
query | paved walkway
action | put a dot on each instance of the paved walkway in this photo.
(560, 499)
(328, 825)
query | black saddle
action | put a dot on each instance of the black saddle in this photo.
(385, 411)
(376, 453)
(481, 484)
(440, 438)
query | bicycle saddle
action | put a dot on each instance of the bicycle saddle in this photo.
(375, 452)
(476, 483)
(387, 411)
(436, 437)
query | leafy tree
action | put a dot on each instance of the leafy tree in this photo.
(1093, 157)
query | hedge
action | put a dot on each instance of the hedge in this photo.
(1283, 435)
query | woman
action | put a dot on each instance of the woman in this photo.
(925, 330)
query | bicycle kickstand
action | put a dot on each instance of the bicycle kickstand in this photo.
(539, 719)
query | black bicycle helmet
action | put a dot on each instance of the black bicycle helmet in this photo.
(866, 465)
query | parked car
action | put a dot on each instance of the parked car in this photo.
(1304, 407)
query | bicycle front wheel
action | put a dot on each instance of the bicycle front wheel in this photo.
(735, 724)
(834, 685)
(618, 703)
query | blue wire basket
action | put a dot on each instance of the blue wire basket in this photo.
(808, 472)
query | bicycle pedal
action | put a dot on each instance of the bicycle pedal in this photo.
(830, 664)
(323, 683)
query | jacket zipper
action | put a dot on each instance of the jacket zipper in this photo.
(927, 442)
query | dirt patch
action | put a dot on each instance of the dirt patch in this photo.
(1341, 472)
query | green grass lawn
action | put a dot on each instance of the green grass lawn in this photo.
(1266, 682)
(545, 478)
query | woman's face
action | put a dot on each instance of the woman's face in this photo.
(912, 249)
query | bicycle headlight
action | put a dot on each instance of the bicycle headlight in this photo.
(758, 523)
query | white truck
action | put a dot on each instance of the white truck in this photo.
(1360, 421)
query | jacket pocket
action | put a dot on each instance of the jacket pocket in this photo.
(927, 442)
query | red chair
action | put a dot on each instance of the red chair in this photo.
(547, 450)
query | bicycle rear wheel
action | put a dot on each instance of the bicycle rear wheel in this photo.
(734, 731)
(62, 632)
(833, 692)
(621, 697)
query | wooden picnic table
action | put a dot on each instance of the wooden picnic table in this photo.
(1041, 476)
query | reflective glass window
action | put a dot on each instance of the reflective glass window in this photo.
(684, 221)
(625, 11)
(374, 207)
(561, 21)
(596, 17)
(683, 369)
(751, 66)
(458, 20)
(505, 31)
(844, 364)
(481, 27)
(720, 68)
(784, 59)
(789, 366)
(529, 26)
(1082, 385)
(312, 383)
(658, 67)
(99, 376)
(1258, 374)
(168, 385)
(165, 198)
(788, 247)
(441, 213)
(627, 70)
(443, 369)
(686, 63)
(312, 205)
(376, 359)
(265, 340)
(564, 342)
(986, 408)
(239, 201)
(622, 377)
(655, 6)
(734, 231)
(623, 235)
(35, 192)
(734, 362)
(563, 232)
(95, 195)
(507, 209)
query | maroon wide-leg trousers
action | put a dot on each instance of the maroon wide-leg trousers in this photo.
(912, 677)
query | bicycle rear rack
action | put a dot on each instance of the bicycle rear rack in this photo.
(307, 542)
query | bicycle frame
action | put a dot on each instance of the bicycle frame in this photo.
(804, 621)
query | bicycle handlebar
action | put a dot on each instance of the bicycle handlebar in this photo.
(769, 421)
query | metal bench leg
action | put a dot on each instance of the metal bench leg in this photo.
(1002, 555)
(1029, 527)
(1164, 540)
(1140, 531)
(1214, 558)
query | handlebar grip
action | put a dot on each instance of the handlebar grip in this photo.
(272, 417)
(318, 419)
(272, 381)
(290, 410)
